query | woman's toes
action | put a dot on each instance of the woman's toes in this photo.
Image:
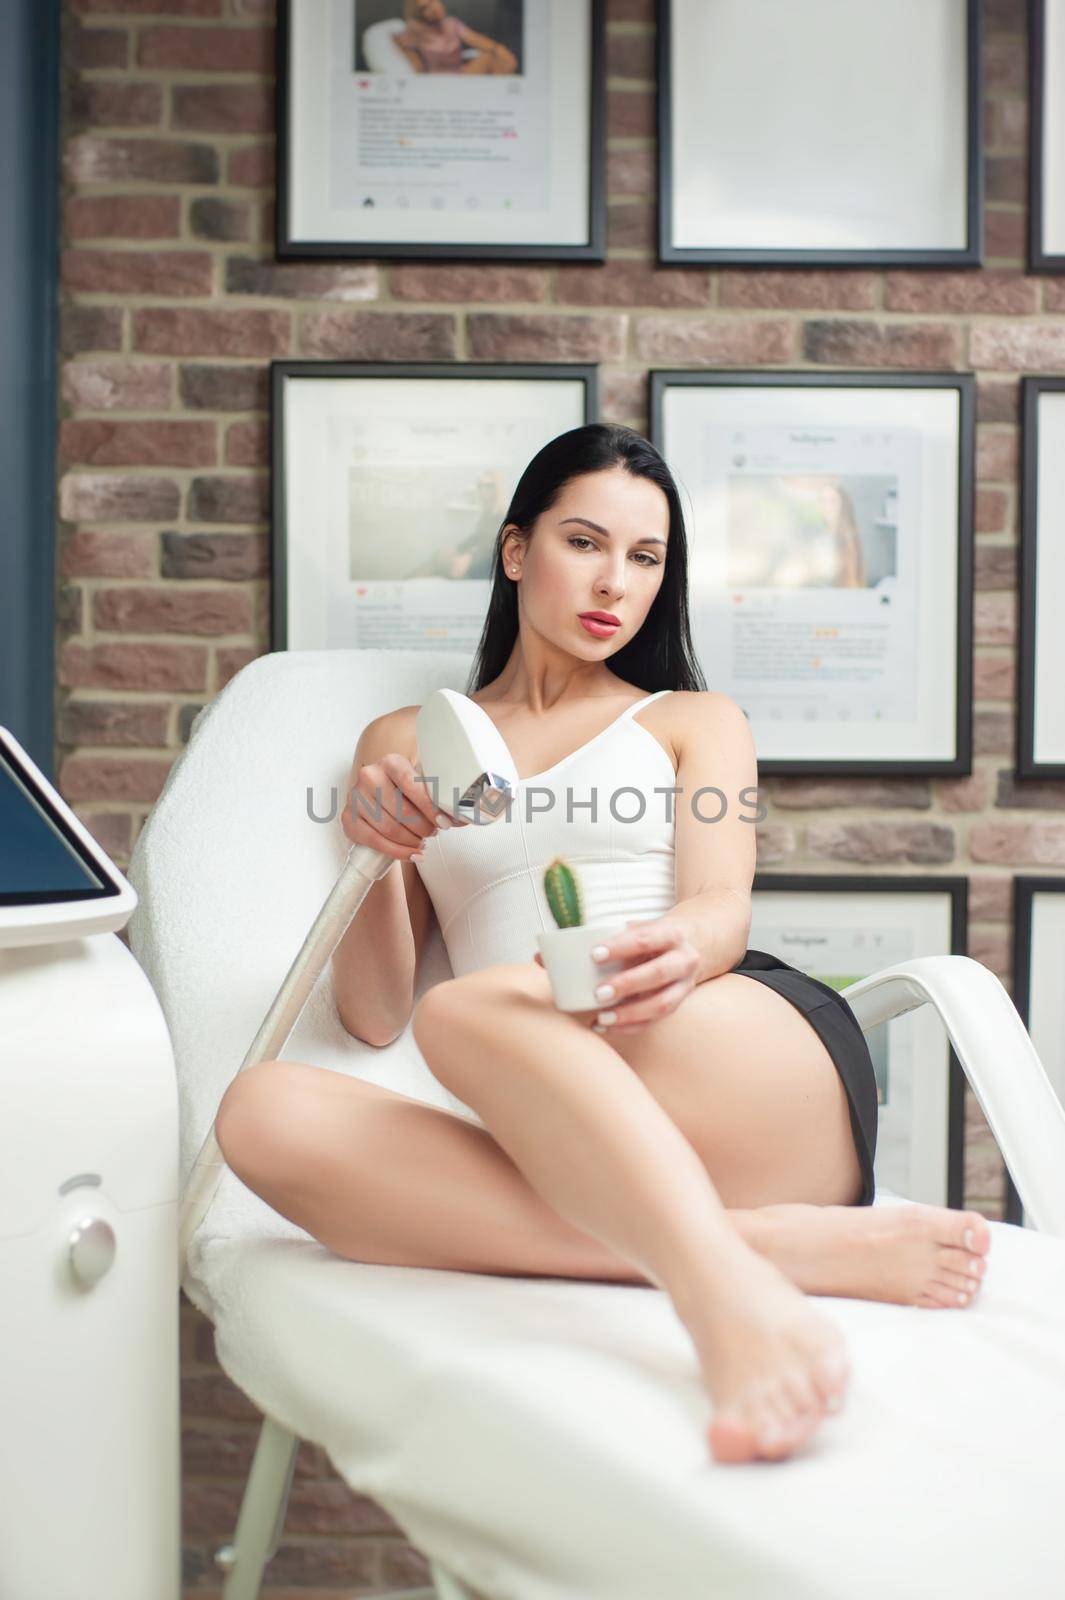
(943, 1295)
(962, 1261)
(973, 1233)
(774, 1431)
(730, 1437)
(957, 1280)
(803, 1399)
(769, 1427)
(774, 1442)
(788, 1415)
(830, 1377)
(784, 1437)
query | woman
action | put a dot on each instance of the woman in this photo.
(432, 41)
(713, 1131)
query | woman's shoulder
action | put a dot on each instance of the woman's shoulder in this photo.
(406, 719)
(695, 702)
(395, 730)
(693, 713)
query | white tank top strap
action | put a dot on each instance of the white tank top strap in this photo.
(630, 711)
(646, 701)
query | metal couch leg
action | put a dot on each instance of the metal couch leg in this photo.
(262, 1512)
(262, 1519)
(445, 1586)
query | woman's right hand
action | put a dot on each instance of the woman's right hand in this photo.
(390, 808)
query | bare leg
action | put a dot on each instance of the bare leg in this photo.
(379, 1177)
(590, 1137)
(383, 1177)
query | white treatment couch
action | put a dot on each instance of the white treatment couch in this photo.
(545, 1439)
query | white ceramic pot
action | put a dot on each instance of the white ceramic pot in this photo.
(567, 957)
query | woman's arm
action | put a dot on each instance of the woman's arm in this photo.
(705, 932)
(375, 964)
(715, 859)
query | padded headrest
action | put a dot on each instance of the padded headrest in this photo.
(231, 868)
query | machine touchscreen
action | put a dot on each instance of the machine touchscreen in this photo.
(55, 880)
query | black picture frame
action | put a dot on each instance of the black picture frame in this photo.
(1026, 886)
(970, 255)
(956, 890)
(1025, 890)
(288, 248)
(282, 369)
(960, 763)
(1039, 258)
(1028, 766)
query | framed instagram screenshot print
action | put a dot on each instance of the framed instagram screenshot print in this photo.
(830, 520)
(468, 130)
(390, 484)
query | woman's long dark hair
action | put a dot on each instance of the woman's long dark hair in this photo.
(661, 656)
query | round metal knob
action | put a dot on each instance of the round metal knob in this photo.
(91, 1245)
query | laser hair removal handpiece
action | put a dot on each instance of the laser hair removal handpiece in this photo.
(470, 774)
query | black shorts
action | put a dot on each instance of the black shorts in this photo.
(832, 1018)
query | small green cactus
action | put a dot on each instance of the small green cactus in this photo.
(563, 894)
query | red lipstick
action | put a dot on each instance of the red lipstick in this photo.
(601, 623)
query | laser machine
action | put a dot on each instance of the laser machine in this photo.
(90, 1466)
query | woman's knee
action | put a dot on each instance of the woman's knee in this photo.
(254, 1114)
(434, 1009)
(441, 1025)
(455, 998)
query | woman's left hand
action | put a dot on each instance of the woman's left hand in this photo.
(662, 973)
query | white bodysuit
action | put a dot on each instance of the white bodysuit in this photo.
(485, 880)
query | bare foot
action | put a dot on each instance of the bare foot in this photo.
(914, 1255)
(772, 1364)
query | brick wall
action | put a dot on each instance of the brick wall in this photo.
(172, 305)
